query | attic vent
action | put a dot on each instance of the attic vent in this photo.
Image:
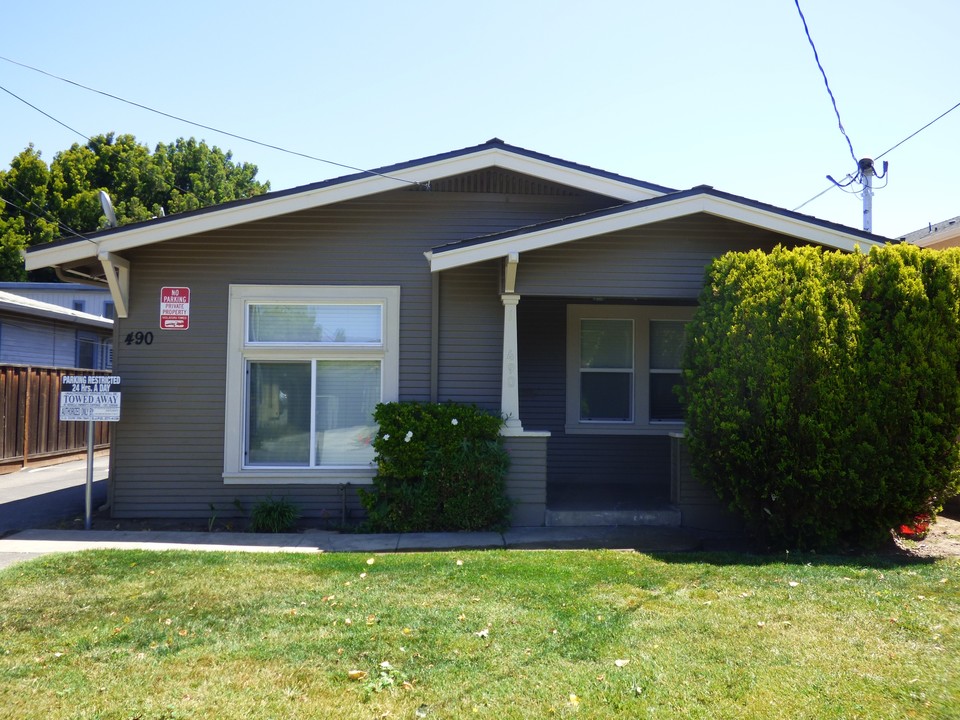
(501, 181)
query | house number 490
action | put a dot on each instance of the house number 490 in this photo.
(139, 338)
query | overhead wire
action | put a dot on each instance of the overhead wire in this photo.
(888, 150)
(826, 82)
(206, 127)
(59, 122)
(50, 218)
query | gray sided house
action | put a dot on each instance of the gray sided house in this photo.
(40, 333)
(553, 293)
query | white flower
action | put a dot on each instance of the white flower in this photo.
(386, 437)
(408, 436)
(454, 422)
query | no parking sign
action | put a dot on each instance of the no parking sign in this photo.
(174, 308)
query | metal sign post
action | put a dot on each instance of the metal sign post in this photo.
(89, 398)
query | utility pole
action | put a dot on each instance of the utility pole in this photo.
(867, 174)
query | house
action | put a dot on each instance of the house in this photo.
(73, 296)
(939, 236)
(39, 333)
(552, 292)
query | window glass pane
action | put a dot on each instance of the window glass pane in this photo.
(278, 422)
(664, 403)
(666, 344)
(315, 324)
(606, 396)
(606, 343)
(87, 350)
(347, 393)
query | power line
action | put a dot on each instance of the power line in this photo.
(201, 125)
(61, 225)
(911, 135)
(826, 82)
(45, 113)
(887, 151)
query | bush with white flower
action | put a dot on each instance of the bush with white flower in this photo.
(439, 467)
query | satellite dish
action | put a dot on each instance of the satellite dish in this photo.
(108, 210)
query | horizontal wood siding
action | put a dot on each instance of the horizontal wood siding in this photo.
(37, 342)
(168, 454)
(638, 460)
(471, 336)
(527, 479)
(663, 261)
(699, 505)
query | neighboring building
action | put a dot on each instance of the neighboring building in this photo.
(549, 291)
(38, 333)
(87, 299)
(939, 236)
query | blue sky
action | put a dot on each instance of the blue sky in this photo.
(678, 93)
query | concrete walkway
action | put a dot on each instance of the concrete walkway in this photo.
(34, 543)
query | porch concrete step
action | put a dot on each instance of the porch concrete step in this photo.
(660, 517)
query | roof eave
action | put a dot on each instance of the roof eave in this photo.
(663, 209)
(349, 188)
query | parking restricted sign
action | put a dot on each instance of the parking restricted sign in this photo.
(91, 398)
(174, 308)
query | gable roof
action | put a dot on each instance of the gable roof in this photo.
(9, 302)
(700, 199)
(493, 153)
(936, 235)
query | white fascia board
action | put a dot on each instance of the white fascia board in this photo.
(648, 215)
(563, 175)
(794, 227)
(149, 233)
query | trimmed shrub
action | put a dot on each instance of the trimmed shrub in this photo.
(822, 392)
(439, 467)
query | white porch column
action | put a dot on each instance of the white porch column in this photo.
(510, 386)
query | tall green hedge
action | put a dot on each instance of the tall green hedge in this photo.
(439, 467)
(822, 389)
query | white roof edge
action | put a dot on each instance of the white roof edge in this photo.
(150, 233)
(11, 302)
(637, 217)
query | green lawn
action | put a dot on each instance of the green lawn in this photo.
(500, 634)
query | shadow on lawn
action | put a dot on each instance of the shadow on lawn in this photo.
(884, 558)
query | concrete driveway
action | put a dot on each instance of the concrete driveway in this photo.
(40, 496)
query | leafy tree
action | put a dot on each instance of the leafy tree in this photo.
(38, 203)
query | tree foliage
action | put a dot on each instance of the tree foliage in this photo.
(38, 202)
(822, 390)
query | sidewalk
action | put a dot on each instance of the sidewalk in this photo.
(34, 543)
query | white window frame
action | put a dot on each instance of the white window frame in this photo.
(240, 353)
(641, 315)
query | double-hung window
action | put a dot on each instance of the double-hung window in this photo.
(307, 365)
(623, 367)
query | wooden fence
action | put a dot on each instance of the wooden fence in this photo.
(30, 429)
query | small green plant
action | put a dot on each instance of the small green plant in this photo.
(213, 518)
(387, 677)
(274, 516)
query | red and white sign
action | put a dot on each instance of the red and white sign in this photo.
(174, 308)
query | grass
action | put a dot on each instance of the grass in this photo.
(504, 634)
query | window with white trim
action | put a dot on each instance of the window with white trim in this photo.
(623, 364)
(307, 366)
